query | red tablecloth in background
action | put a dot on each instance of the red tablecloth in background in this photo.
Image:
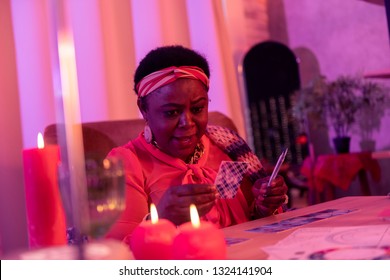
(339, 170)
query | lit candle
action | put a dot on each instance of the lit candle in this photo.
(153, 239)
(199, 240)
(45, 214)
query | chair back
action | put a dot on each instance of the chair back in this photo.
(271, 76)
(100, 137)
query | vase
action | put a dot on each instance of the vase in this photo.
(341, 144)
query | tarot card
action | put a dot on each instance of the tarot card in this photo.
(229, 178)
(232, 240)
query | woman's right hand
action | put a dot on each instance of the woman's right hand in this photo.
(175, 203)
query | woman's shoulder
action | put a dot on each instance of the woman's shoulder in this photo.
(127, 150)
(129, 154)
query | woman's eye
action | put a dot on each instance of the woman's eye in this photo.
(171, 113)
(197, 109)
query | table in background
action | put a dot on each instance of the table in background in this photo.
(368, 208)
(327, 172)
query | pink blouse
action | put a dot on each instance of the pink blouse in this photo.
(149, 172)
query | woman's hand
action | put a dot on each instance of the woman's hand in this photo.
(175, 203)
(268, 199)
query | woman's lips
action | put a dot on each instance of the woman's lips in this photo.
(185, 140)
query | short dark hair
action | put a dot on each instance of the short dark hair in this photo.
(167, 56)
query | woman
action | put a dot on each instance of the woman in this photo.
(175, 160)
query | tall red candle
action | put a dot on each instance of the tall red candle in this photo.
(45, 214)
(199, 240)
(153, 239)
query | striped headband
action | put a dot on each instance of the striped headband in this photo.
(168, 75)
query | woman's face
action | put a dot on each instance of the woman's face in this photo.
(177, 115)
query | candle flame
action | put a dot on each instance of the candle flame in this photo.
(194, 216)
(106, 163)
(40, 142)
(153, 213)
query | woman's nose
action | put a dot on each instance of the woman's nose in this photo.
(185, 119)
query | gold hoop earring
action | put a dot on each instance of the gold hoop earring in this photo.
(148, 134)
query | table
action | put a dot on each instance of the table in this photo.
(366, 214)
(327, 172)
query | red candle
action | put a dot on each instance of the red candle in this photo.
(45, 214)
(152, 240)
(199, 240)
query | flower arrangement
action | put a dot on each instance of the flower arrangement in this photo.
(344, 103)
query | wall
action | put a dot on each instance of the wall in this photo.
(333, 38)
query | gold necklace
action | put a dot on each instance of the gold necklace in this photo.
(198, 153)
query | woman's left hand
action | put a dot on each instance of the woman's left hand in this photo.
(175, 203)
(269, 199)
